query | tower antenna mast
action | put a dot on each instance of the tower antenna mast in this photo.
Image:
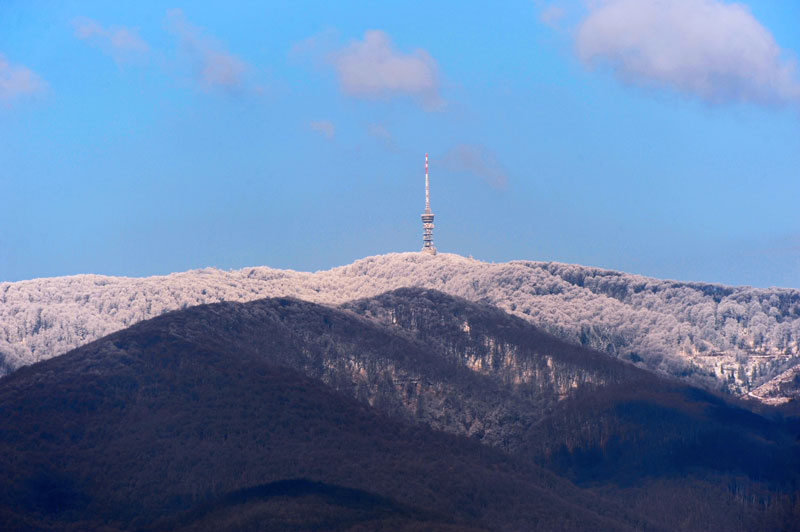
(427, 218)
(427, 189)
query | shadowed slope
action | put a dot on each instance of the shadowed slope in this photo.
(606, 424)
(173, 412)
(300, 505)
(211, 399)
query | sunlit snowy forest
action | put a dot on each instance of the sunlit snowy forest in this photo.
(734, 338)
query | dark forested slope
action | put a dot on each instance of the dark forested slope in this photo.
(138, 428)
(694, 459)
(163, 425)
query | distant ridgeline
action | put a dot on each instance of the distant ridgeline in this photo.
(740, 339)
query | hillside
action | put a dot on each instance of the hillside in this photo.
(739, 339)
(194, 421)
(412, 410)
(673, 451)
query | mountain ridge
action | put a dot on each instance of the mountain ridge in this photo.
(733, 338)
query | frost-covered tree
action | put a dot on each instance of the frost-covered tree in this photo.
(691, 330)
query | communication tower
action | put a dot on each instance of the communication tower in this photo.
(427, 218)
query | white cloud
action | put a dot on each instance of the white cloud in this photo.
(119, 42)
(17, 81)
(212, 66)
(706, 48)
(372, 68)
(324, 127)
(478, 160)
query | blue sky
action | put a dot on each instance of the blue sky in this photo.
(660, 138)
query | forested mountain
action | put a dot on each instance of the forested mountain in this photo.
(743, 340)
(194, 421)
(413, 410)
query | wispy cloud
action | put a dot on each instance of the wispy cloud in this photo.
(380, 132)
(211, 66)
(383, 136)
(706, 48)
(324, 127)
(374, 69)
(552, 15)
(119, 42)
(316, 48)
(477, 160)
(203, 57)
(17, 81)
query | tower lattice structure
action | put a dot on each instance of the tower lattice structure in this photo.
(427, 218)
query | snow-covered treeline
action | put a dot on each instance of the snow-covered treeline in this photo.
(734, 337)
